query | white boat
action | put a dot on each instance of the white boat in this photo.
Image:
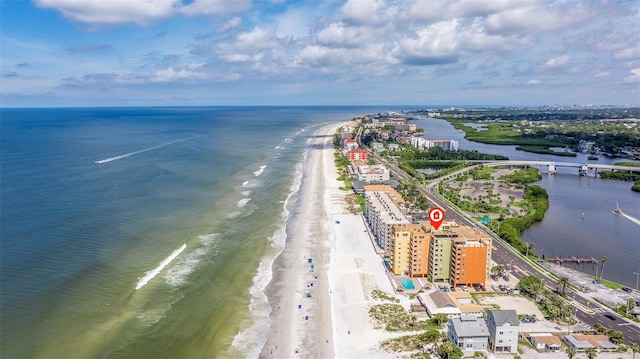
(617, 210)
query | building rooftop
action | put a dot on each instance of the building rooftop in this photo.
(503, 316)
(469, 326)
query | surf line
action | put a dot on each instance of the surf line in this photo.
(119, 157)
(152, 273)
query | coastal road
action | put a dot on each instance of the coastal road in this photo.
(504, 254)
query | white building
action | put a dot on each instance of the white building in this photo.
(468, 333)
(377, 173)
(504, 327)
(382, 212)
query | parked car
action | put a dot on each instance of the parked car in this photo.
(610, 316)
(464, 288)
(627, 289)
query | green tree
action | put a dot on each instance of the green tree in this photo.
(616, 336)
(571, 352)
(497, 269)
(591, 353)
(532, 285)
(439, 318)
(449, 351)
(563, 281)
(432, 336)
(635, 348)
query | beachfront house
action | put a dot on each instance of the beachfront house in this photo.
(468, 333)
(504, 327)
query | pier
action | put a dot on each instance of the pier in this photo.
(573, 260)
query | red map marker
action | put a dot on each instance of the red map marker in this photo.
(436, 216)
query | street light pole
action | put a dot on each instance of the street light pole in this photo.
(637, 279)
(527, 252)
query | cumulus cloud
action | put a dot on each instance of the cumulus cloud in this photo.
(559, 61)
(215, 7)
(634, 76)
(342, 35)
(371, 12)
(140, 12)
(436, 44)
(534, 82)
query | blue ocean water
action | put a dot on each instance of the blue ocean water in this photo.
(145, 232)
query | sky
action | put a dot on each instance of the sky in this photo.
(61, 53)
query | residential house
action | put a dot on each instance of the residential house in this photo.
(545, 342)
(468, 333)
(504, 327)
(581, 342)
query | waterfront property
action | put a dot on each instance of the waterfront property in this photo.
(468, 333)
(504, 328)
(451, 304)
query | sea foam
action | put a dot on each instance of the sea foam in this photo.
(252, 339)
(260, 171)
(177, 275)
(154, 272)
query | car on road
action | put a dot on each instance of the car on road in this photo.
(627, 289)
(610, 316)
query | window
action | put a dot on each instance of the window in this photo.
(501, 333)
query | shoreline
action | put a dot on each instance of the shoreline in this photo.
(297, 322)
(346, 270)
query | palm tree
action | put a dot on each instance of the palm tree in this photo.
(563, 281)
(591, 353)
(497, 269)
(571, 352)
(635, 348)
(603, 260)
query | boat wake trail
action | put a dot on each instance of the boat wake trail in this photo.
(152, 273)
(119, 157)
(632, 219)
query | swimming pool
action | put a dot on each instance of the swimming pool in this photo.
(406, 283)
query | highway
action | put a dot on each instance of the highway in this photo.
(586, 312)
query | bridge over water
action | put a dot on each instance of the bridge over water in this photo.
(583, 168)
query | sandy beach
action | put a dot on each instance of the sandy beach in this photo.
(322, 312)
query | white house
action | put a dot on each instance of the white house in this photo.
(504, 326)
(468, 333)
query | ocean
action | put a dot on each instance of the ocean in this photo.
(146, 232)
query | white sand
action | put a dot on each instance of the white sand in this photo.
(338, 324)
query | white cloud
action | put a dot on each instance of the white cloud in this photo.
(534, 82)
(634, 76)
(601, 74)
(294, 23)
(558, 61)
(140, 12)
(435, 44)
(342, 35)
(230, 24)
(215, 7)
(371, 12)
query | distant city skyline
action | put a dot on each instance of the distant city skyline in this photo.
(358, 52)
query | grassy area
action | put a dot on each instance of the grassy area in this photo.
(628, 164)
(502, 134)
(545, 150)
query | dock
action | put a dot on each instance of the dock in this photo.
(572, 260)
